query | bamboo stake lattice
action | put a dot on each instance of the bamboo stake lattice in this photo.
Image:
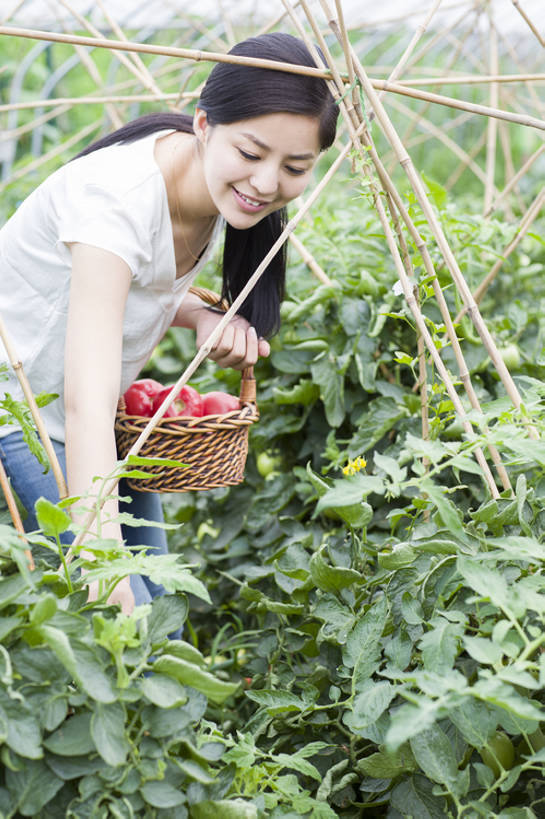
(416, 183)
(198, 56)
(355, 117)
(404, 260)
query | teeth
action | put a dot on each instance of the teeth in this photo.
(254, 202)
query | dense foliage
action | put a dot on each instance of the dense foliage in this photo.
(363, 625)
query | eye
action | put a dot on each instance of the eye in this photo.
(295, 171)
(246, 155)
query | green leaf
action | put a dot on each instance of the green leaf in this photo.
(364, 641)
(408, 720)
(413, 797)
(381, 416)
(487, 582)
(369, 704)
(441, 645)
(433, 751)
(448, 513)
(162, 795)
(350, 491)
(483, 650)
(386, 765)
(73, 738)
(305, 392)
(108, 732)
(331, 578)
(44, 609)
(475, 721)
(189, 674)
(51, 518)
(278, 702)
(437, 192)
(163, 691)
(32, 787)
(298, 763)
(22, 730)
(168, 614)
(74, 767)
(331, 383)
(338, 619)
(224, 808)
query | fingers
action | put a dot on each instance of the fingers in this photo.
(239, 347)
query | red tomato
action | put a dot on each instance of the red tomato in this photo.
(138, 398)
(219, 403)
(187, 402)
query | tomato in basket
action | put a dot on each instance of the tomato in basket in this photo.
(139, 397)
(188, 402)
(219, 403)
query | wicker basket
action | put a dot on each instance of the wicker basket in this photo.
(214, 447)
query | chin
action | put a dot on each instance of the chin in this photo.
(243, 221)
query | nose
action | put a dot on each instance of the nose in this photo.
(265, 179)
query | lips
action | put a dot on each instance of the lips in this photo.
(248, 203)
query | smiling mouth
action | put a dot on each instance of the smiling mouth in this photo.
(248, 200)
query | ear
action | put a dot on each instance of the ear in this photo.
(200, 125)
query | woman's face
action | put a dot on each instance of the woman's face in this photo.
(256, 166)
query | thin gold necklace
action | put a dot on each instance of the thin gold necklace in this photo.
(179, 217)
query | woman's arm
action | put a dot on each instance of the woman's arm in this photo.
(94, 335)
(237, 347)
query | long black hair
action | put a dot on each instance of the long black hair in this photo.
(233, 93)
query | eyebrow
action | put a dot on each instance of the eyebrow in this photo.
(266, 147)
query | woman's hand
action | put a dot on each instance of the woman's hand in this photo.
(238, 345)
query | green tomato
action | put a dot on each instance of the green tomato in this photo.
(511, 356)
(267, 463)
(498, 753)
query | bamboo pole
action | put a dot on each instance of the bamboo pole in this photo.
(15, 133)
(527, 19)
(229, 33)
(417, 36)
(392, 194)
(274, 23)
(309, 260)
(14, 512)
(437, 230)
(58, 149)
(477, 148)
(492, 125)
(17, 366)
(405, 262)
(129, 63)
(141, 67)
(196, 55)
(452, 58)
(512, 182)
(14, 11)
(462, 105)
(523, 228)
(510, 173)
(90, 100)
(448, 142)
(472, 79)
(208, 345)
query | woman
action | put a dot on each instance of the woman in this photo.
(96, 264)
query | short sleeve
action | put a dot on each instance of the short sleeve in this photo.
(102, 218)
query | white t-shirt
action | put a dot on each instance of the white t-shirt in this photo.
(114, 199)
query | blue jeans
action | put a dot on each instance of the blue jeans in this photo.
(30, 482)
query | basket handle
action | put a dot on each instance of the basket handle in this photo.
(248, 392)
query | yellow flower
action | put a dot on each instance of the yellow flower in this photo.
(354, 466)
